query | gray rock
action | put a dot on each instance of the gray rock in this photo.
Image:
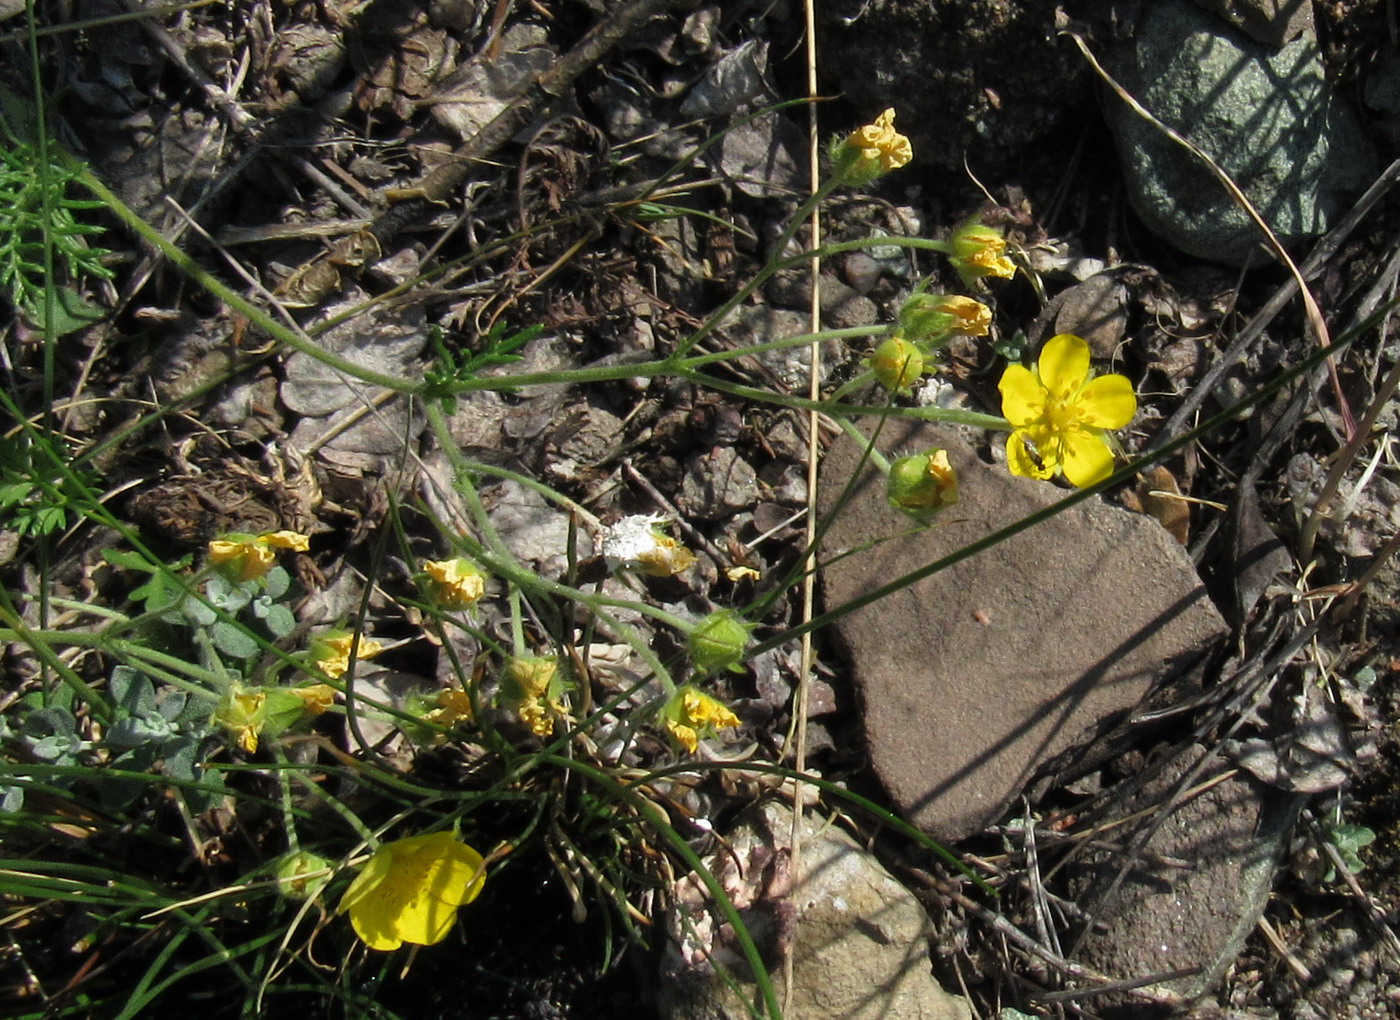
(1265, 115)
(858, 937)
(977, 675)
(717, 484)
(1195, 893)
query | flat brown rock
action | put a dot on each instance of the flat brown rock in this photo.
(974, 676)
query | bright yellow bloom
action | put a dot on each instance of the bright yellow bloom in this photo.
(455, 584)
(409, 891)
(980, 251)
(1061, 415)
(691, 714)
(241, 557)
(881, 143)
(923, 484)
(897, 364)
(330, 652)
(242, 711)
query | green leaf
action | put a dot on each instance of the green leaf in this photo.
(233, 641)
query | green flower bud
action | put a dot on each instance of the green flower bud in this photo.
(923, 484)
(719, 641)
(300, 875)
(897, 364)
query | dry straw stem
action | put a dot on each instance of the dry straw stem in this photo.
(1314, 314)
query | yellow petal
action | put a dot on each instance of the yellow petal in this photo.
(285, 540)
(1019, 460)
(1022, 396)
(1064, 366)
(1107, 402)
(1087, 458)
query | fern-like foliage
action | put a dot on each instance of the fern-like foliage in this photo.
(36, 212)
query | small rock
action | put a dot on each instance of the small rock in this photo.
(718, 484)
(973, 677)
(1266, 116)
(862, 272)
(857, 936)
(1164, 917)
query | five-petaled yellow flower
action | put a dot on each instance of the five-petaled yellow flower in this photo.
(872, 150)
(330, 652)
(691, 714)
(410, 889)
(978, 251)
(241, 557)
(455, 584)
(1061, 415)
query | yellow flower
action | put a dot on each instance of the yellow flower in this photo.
(897, 364)
(455, 584)
(872, 150)
(532, 684)
(690, 714)
(316, 698)
(241, 557)
(927, 316)
(409, 891)
(1061, 415)
(330, 652)
(979, 251)
(454, 706)
(242, 711)
(923, 484)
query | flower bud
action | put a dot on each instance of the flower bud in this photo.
(897, 364)
(719, 641)
(301, 874)
(923, 484)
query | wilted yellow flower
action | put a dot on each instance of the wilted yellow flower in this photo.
(691, 714)
(934, 316)
(455, 584)
(241, 557)
(242, 711)
(979, 251)
(410, 889)
(923, 484)
(897, 364)
(454, 706)
(873, 150)
(330, 652)
(316, 698)
(532, 684)
(639, 543)
(1061, 414)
